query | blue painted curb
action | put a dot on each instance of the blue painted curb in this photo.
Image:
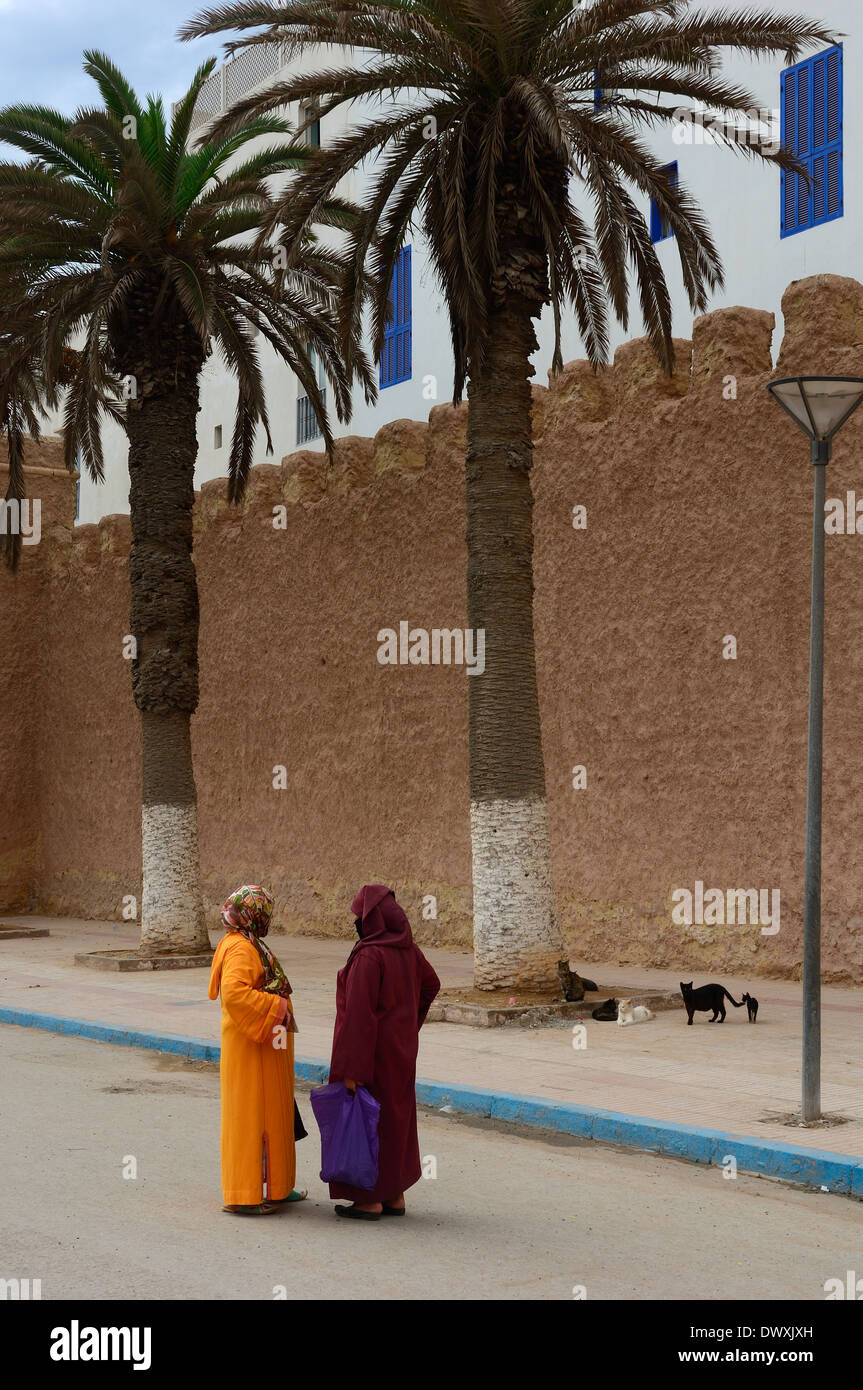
(809, 1167)
(770, 1158)
(196, 1048)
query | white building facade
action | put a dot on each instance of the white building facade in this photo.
(770, 230)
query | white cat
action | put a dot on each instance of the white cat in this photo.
(627, 1014)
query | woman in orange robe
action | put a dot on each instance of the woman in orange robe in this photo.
(257, 1063)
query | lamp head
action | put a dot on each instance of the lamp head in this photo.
(820, 405)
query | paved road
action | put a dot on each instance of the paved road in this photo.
(508, 1216)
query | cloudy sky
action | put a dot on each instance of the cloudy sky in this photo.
(41, 43)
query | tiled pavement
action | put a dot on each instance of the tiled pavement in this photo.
(730, 1078)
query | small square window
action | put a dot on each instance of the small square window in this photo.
(217, 437)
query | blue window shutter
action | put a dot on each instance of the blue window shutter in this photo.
(804, 189)
(598, 97)
(397, 353)
(819, 103)
(834, 183)
(818, 171)
(803, 110)
(834, 95)
(788, 108)
(604, 93)
(835, 193)
(811, 110)
(659, 228)
(655, 222)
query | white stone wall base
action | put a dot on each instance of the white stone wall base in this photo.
(516, 936)
(172, 913)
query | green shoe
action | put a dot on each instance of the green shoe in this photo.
(294, 1196)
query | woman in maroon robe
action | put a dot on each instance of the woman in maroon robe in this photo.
(382, 998)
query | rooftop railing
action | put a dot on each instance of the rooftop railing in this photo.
(249, 68)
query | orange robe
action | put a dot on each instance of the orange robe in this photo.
(257, 1079)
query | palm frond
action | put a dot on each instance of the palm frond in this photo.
(512, 82)
(119, 238)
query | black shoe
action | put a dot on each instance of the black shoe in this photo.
(356, 1215)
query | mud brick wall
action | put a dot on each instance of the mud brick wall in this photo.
(698, 498)
(24, 650)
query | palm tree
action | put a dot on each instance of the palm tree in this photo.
(483, 127)
(27, 398)
(137, 252)
(24, 405)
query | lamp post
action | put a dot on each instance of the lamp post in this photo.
(820, 405)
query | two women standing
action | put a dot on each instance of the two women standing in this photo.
(382, 998)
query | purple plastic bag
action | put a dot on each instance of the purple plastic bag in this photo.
(349, 1134)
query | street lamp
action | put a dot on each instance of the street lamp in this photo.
(820, 405)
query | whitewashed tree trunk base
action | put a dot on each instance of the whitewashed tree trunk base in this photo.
(172, 914)
(516, 936)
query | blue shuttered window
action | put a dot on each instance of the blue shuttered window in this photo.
(598, 94)
(396, 357)
(660, 229)
(603, 94)
(811, 106)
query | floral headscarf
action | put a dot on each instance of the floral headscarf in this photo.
(248, 912)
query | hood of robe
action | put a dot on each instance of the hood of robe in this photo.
(383, 921)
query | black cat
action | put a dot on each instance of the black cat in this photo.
(704, 998)
(751, 1007)
(606, 1012)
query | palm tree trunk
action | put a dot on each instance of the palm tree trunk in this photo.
(162, 453)
(516, 938)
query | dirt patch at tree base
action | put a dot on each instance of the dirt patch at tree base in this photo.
(503, 998)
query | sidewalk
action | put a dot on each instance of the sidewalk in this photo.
(733, 1078)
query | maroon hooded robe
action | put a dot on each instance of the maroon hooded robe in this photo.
(382, 998)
